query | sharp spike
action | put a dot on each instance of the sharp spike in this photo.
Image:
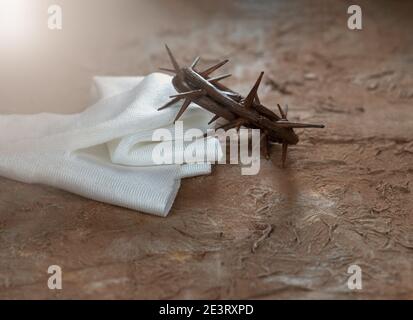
(283, 115)
(193, 65)
(183, 108)
(284, 154)
(173, 60)
(265, 145)
(213, 68)
(190, 94)
(287, 124)
(283, 112)
(253, 93)
(167, 70)
(218, 78)
(257, 99)
(169, 103)
(215, 118)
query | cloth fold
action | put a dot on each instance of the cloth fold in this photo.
(105, 152)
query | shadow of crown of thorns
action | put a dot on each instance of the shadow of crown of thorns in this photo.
(197, 86)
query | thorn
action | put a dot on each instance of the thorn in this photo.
(284, 154)
(174, 63)
(253, 93)
(169, 103)
(167, 70)
(213, 68)
(183, 108)
(287, 124)
(257, 99)
(215, 118)
(193, 65)
(218, 78)
(283, 115)
(189, 94)
(265, 145)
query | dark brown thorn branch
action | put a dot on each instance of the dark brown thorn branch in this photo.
(185, 105)
(190, 94)
(231, 94)
(169, 103)
(265, 145)
(282, 113)
(218, 78)
(208, 71)
(286, 111)
(168, 70)
(193, 65)
(215, 118)
(225, 103)
(173, 60)
(248, 103)
(288, 124)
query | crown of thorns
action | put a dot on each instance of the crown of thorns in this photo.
(197, 86)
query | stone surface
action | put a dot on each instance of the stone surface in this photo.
(344, 198)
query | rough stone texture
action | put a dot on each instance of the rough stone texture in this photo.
(344, 199)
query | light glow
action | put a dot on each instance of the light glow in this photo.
(14, 21)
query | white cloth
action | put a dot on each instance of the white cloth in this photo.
(104, 153)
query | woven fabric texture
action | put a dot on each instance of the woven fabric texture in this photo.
(105, 152)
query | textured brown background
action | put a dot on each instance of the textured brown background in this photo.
(344, 199)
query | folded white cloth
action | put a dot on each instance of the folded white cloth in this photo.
(105, 152)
